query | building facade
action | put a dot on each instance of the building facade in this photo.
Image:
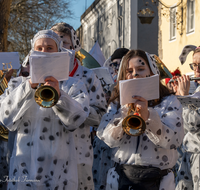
(114, 24)
(178, 26)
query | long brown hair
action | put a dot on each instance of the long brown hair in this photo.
(115, 95)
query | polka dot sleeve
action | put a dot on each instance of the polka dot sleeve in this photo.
(98, 102)
(165, 128)
(110, 129)
(17, 98)
(191, 120)
(72, 107)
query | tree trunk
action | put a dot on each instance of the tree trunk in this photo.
(4, 15)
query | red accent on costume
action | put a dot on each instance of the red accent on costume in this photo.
(75, 68)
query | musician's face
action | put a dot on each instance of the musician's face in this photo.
(45, 45)
(67, 43)
(137, 68)
(196, 60)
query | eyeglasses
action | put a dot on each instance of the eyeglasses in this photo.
(25, 74)
(194, 66)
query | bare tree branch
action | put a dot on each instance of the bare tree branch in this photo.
(29, 16)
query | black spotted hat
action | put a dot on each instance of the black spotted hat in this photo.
(152, 64)
(186, 50)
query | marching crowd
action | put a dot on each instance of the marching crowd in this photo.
(53, 149)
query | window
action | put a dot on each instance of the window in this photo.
(92, 32)
(190, 16)
(172, 23)
(120, 22)
(101, 25)
(85, 39)
(109, 17)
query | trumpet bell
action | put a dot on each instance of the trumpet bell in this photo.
(46, 96)
(133, 125)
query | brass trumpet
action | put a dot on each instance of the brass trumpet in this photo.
(133, 124)
(3, 85)
(46, 96)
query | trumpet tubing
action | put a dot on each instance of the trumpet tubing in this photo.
(3, 86)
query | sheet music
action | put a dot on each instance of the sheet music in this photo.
(49, 64)
(7, 57)
(103, 75)
(147, 88)
(193, 99)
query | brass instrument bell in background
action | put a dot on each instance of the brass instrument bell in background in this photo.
(3, 85)
(133, 124)
(46, 96)
(164, 72)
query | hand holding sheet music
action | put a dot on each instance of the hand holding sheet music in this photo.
(147, 88)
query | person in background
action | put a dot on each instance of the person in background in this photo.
(44, 155)
(188, 171)
(113, 63)
(97, 108)
(145, 161)
(102, 152)
(24, 72)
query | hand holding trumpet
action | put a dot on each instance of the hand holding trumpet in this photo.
(49, 81)
(141, 107)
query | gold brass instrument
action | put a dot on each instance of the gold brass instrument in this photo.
(46, 96)
(133, 124)
(164, 72)
(80, 56)
(3, 86)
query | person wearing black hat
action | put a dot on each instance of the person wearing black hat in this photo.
(116, 58)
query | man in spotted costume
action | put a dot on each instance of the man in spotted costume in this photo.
(188, 171)
(97, 107)
(156, 147)
(44, 155)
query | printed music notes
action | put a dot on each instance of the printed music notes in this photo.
(147, 88)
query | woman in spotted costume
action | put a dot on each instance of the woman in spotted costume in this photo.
(188, 171)
(164, 132)
(102, 152)
(44, 155)
(97, 107)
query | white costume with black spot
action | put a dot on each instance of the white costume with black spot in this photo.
(188, 172)
(156, 147)
(82, 134)
(44, 155)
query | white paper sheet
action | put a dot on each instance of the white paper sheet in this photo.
(49, 64)
(103, 75)
(7, 57)
(147, 88)
(193, 99)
